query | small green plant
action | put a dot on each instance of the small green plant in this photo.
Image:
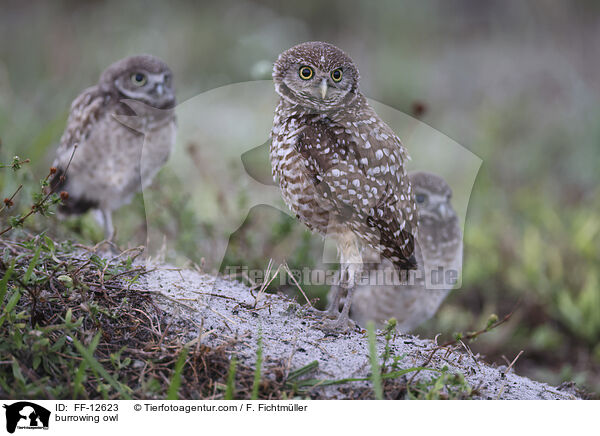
(389, 334)
(43, 198)
(99, 370)
(176, 378)
(445, 386)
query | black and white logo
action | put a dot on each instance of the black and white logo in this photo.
(26, 415)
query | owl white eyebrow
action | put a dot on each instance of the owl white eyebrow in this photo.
(157, 76)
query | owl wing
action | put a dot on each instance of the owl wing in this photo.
(85, 110)
(357, 168)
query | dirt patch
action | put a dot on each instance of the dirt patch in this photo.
(226, 314)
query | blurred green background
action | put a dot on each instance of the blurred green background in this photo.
(515, 82)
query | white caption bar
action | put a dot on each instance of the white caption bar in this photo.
(291, 417)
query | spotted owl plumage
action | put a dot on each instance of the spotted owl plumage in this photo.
(118, 135)
(438, 248)
(339, 166)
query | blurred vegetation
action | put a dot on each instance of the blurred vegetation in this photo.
(515, 82)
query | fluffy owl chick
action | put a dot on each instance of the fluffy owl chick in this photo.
(119, 133)
(339, 166)
(439, 254)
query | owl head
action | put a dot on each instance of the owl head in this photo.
(440, 237)
(143, 78)
(316, 75)
(432, 195)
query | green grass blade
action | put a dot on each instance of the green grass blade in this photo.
(176, 378)
(77, 382)
(32, 264)
(231, 380)
(257, 369)
(303, 370)
(4, 281)
(375, 369)
(12, 302)
(402, 372)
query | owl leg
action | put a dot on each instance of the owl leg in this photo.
(334, 297)
(343, 320)
(109, 230)
(348, 285)
(332, 309)
(351, 266)
(334, 304)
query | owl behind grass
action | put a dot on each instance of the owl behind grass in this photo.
(339, 166)
(119, 133)
(439, 255)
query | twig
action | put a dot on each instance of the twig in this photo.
(506, 373)
(473, 335)
(266, 284)
(513, 362)
(287, 268)
(469, 336)
(470, 353)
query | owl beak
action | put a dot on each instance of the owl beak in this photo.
(160, 89)
(443, 211)
(323, 88)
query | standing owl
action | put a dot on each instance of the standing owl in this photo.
(439, 254)
(339, 166)
(119, 133)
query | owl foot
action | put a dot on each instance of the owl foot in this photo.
(338, 322)
(342, 324)
(327, 313)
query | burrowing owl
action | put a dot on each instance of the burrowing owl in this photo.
(340, 167)
(119, 133)
(439, 254)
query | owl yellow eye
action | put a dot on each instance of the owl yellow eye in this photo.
(336, 75)
(139, 79)
(305, 72)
